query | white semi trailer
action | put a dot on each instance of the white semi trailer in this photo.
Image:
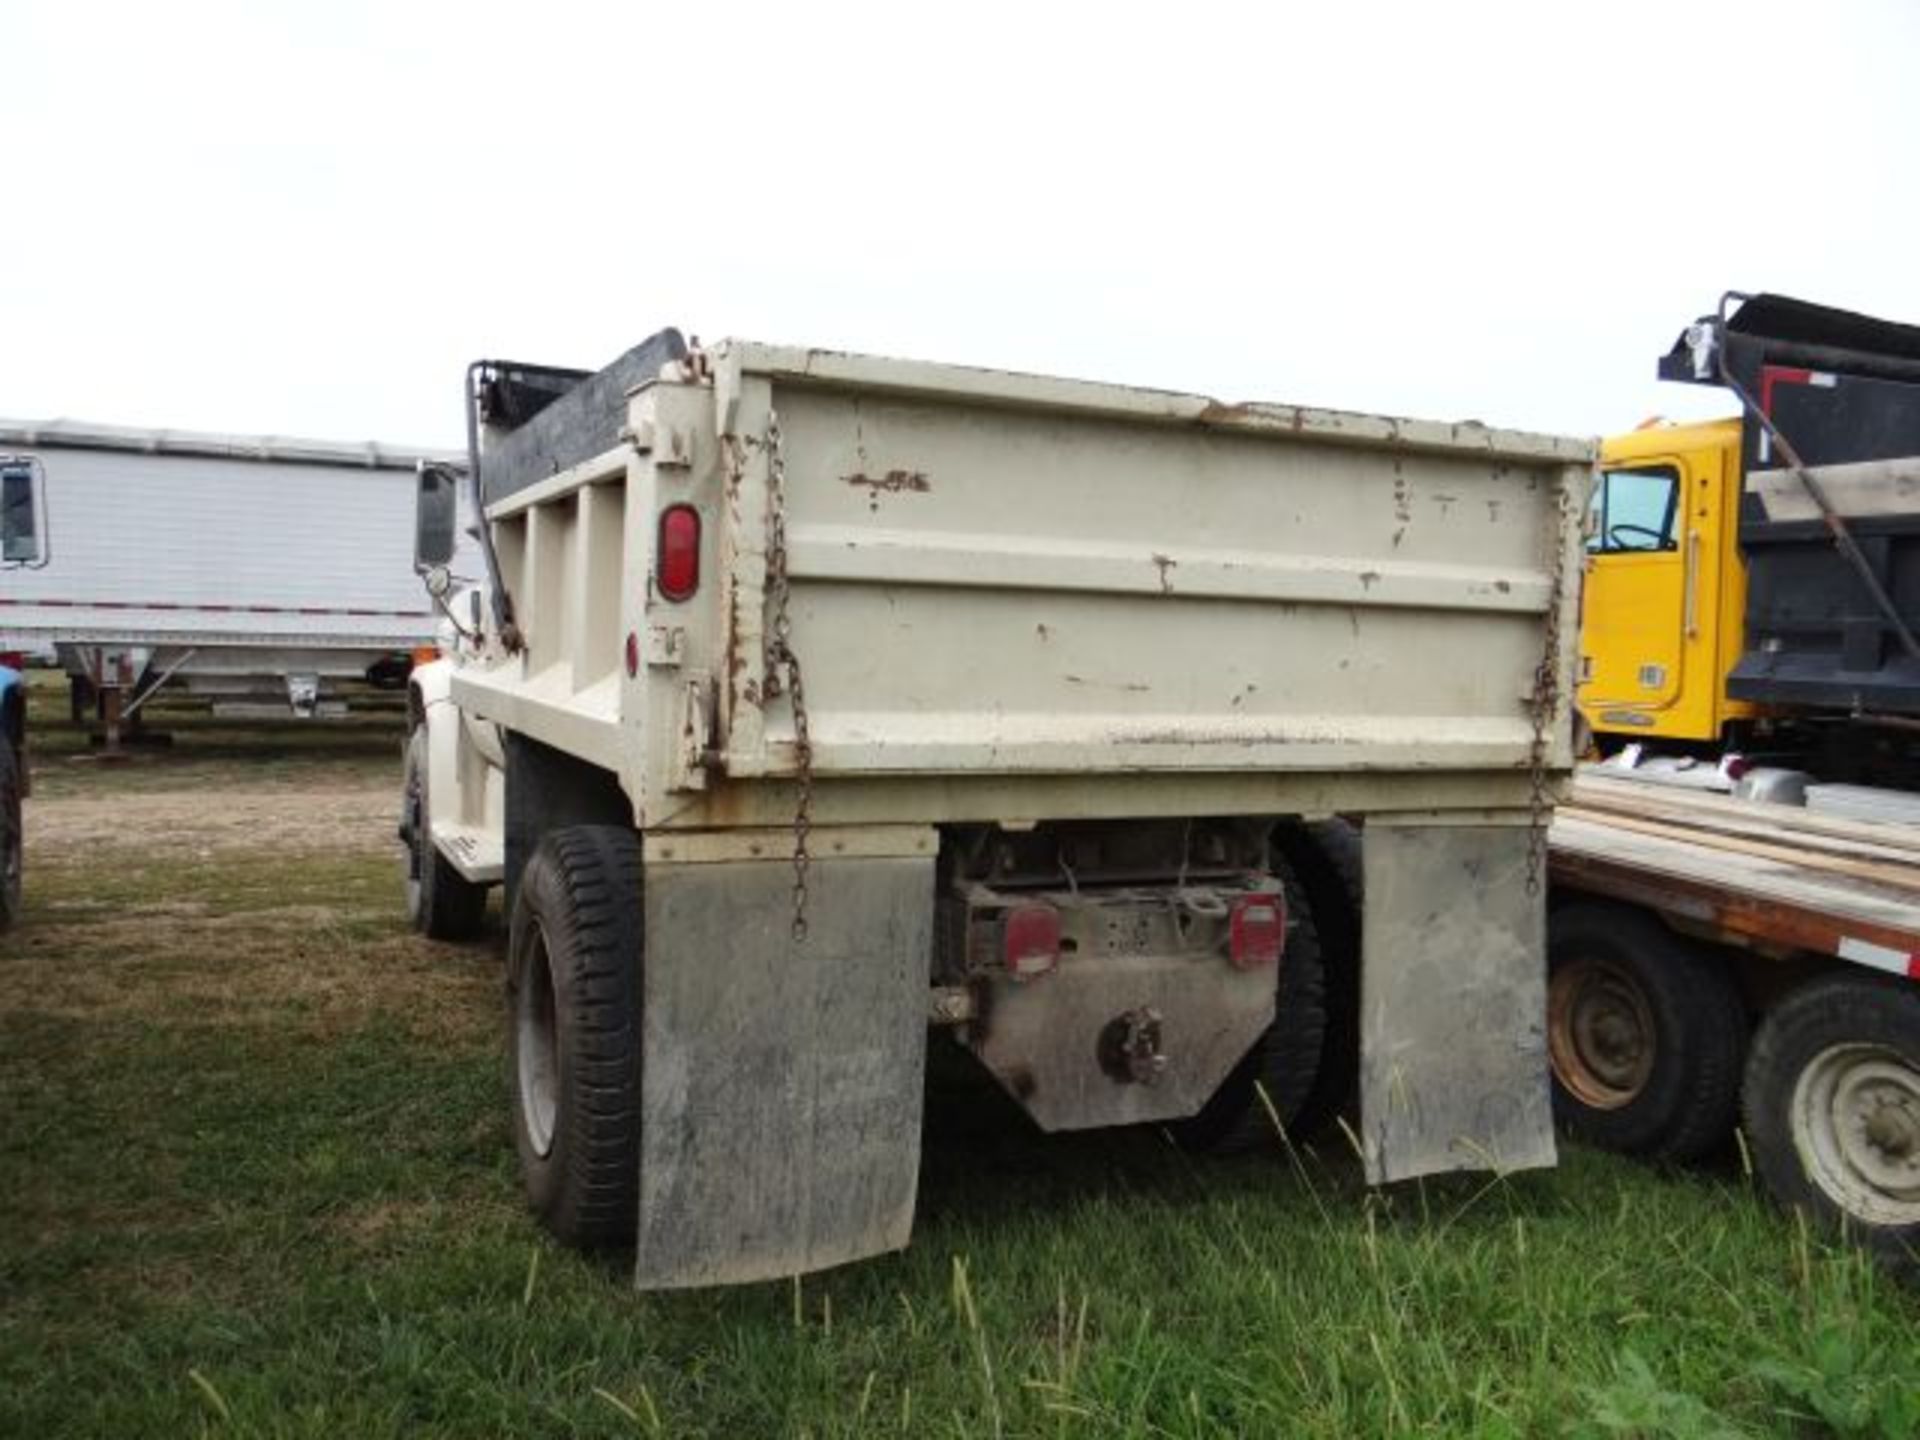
(258, 571)
(818, 701)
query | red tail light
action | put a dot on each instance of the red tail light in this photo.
(1257, 931)
(1032, 940)
(677, 560)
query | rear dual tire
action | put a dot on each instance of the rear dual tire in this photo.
(573, 1032)
(1832, 1110)
(1645, 1034)
(1284, 1062)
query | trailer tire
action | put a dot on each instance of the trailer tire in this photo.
(13, 848)
(1285, 1060)
(573, 1032)
(1325, 857)
(1645, 1033)
(1832, 1110)
(442, 904)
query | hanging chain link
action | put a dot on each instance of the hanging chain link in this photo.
(1545, 700)
(783, 666)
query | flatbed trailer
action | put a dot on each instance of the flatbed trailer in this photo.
(1772, 879)
(1718, 959)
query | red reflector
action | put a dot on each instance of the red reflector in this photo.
(677, 569)
(1033, 940)
(633, 654)
(1257, 932)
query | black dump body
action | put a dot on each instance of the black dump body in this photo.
(540, 420)
(1841, 388)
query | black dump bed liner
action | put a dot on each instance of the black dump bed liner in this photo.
(1843, 388)
(541, 420)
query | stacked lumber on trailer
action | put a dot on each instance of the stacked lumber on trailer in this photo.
(1772, 875)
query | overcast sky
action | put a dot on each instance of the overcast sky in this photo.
(307, 219)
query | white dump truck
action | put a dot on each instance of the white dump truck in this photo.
(815, 704)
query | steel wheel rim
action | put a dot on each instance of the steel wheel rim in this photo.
(536, 1047)
(1855, 1116)
(1601, 1039)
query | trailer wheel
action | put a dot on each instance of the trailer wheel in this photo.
(12, 837)
(1644, 1034)
(1285, 1060)
(1832, 1110)
(441, 902)
(573, 1021)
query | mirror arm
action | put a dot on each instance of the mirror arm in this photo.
(497, 595)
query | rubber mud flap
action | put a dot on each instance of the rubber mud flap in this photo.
(1453, 1003)
(781, 1082)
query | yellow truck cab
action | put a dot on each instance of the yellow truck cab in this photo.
(1666, 586)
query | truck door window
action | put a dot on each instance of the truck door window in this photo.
(1635, 510)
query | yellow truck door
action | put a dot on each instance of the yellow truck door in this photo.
(1634, 613)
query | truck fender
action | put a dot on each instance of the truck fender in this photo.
(430, 707)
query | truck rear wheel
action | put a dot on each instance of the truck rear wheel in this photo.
(1285, 1059)
(573, 1021)
(441, 902)
(1644, 1034)
(1326, 860)
(13, 848)
(1832, 1110)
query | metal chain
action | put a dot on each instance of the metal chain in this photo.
(780, 660)
(1545, 700)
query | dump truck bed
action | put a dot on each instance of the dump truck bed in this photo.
(1018, 596)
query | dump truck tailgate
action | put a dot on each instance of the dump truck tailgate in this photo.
(991, 572)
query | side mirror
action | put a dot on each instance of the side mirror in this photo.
(24, 540)
(436, 517)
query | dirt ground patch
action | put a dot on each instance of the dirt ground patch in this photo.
(347, 813)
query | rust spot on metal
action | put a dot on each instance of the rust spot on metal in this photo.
(891, 483)
(1505, 587)
(1214, 413)
(1165, 564)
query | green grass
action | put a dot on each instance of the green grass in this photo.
(255, 1178)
